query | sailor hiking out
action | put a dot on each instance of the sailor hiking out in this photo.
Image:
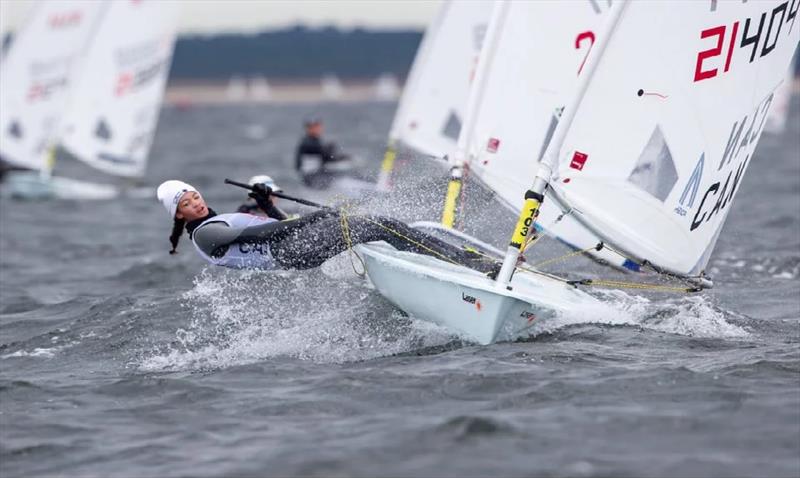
(241, 240)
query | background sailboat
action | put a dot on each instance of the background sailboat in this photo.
(36, 77)
(110, 110)
(115, 104)
(431, 110)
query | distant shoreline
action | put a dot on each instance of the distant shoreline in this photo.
(202, 92)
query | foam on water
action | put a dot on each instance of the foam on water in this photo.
(37, 352)
(327, 316)
(689, 315)
(784, 267)
(330, 315)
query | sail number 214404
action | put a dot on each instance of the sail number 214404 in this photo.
(766, 35)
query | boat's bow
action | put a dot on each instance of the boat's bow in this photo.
(465, 300)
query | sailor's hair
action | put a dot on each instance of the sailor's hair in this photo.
(177, 231)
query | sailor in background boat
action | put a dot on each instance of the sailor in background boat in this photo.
(250, 205)
(247, 241)
(318, 162)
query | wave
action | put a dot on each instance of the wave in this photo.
(333, 316)
(787, 268)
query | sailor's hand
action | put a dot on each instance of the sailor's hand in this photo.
(260, 190)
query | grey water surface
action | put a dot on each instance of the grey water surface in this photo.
(117, 359)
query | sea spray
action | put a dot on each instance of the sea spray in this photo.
(241, 317)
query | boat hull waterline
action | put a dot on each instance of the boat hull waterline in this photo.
(466, 301)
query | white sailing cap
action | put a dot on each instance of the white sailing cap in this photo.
(266, 181)
(169, 194)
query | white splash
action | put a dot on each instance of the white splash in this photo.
(40, 352)
(328, 317)
(689, 315)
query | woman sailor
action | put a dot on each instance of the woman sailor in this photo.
(241, 240)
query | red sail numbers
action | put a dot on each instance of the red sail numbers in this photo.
(64, 19)
(759, 34)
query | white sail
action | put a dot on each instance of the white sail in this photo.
(431, 109)
(115, 105)
(36, 76)
(530, 74)
(658, 142)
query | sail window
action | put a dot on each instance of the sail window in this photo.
(15, 130)
(102, 131)
(655, 171)
(452, 128)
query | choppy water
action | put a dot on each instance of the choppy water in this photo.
(117, 359)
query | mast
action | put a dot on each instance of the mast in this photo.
(535, 195)
(488, 48)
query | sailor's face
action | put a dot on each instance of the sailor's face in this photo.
(315, 129)
(191, 206)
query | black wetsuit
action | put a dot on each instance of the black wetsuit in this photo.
(313, 146)
(309, 241)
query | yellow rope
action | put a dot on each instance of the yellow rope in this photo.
(530, 269)
(530, 242)
(412, 241)
(633, 285)
(600, 282)
(564, 257)
(349, 241)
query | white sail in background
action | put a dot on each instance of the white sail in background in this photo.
(658, 143)
(236, 90)
(386, 87)
(431, 109)
(37, 75)
(115, 105)
(332, 88)
(259, 89)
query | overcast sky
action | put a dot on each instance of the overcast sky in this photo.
(210, 16)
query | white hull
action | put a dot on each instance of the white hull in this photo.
(466, 301)
(33, 186)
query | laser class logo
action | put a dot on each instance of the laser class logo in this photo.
(472, 300)
(686, 201)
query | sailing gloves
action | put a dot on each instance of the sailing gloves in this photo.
(261, 194)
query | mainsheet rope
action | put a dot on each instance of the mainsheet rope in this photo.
(343, 214)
